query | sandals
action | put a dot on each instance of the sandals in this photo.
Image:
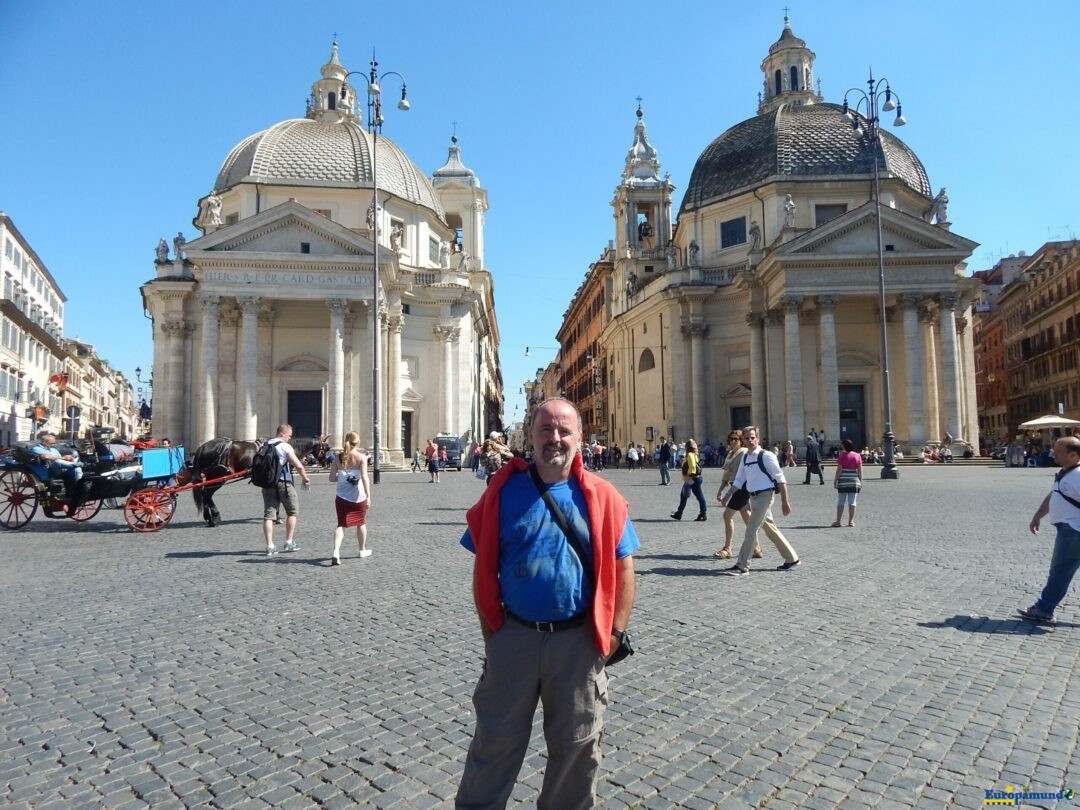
(851, 524)
(835, 526)
(722, 554)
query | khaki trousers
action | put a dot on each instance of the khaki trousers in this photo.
(761, 518)
(565, 672)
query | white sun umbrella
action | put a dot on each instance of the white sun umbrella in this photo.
(1050, 421)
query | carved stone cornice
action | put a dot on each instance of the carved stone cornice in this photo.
(755, 320)
(395, 323)
(948, 301)
(338, 307)
(792, 303)
(774, 317)
(210, 303)
(229, 316)
(446, 332)
(249, 304)
(174, 327)
(910, 300)
(927, 313)
(693, 330)
(827, 303)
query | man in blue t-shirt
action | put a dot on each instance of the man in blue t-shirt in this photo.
(546, 616)
(65, 465)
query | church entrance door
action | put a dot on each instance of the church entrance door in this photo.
(304, 413)
(853, 415)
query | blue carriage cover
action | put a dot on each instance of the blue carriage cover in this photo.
(162, 462)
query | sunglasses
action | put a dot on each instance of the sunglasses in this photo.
(734, 438)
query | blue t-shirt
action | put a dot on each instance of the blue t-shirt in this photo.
(540, 577)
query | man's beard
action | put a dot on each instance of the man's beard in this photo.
(563, 461)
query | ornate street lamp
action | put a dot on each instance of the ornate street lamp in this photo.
(863, 117)
(375, 122)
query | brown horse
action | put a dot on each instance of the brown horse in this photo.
(215, 459)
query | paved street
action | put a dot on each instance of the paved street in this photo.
(185, 668)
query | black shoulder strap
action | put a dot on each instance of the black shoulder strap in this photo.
(560, 519)
(1057, 489)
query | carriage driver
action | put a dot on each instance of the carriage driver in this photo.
(66, 466)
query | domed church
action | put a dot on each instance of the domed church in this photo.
(269, 316)
(761, 304)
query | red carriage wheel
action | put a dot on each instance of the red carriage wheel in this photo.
(18, 499)
(86, 511)
(149, 509)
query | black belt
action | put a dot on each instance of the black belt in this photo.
(758, 492)
(551, 627)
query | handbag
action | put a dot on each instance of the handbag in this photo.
(481, 473)
(849, 481)
(625, 649)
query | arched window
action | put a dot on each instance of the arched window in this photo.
(794, 78)
(333, 100)
(779, 88)
(646, 362)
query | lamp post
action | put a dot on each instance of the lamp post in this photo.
(863, 117)
(375, 122)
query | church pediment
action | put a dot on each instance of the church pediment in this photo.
(288, 228)
(855, 234)
(737, 391)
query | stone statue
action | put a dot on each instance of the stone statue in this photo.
(631, 284)
(397, 232)
(672, 257)
(939, 208)
(444, 254)
(755, 236)
(370, 217)
(694, 250)
(178, 243)
(789, 212)
(162, 251)
(463, 263)
(213, 211)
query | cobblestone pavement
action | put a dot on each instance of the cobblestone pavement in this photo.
(185, 668)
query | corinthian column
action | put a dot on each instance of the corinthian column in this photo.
(394, 325)
(246, 426)
(793, 367)
(970, 426)
(173, 418)
(757, 368)
(831, 378)
(264, 404)
(447, 333)
(208, 422)
(338, 308)
(913, 363)
(933, 407)
(696, 332)
(950, 365)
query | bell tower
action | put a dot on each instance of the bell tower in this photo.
(642, 206)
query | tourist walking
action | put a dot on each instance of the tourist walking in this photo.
(848, 481)
(665, 463)
(631, 457)
(353, 499)
(735, 501)
(550, 616)
(691, 474)
(282, 495)
(760, 472)
(431, 453)
(813, 460)
(1062, 507)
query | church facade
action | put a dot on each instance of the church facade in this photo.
(761, 303)
(271, 314)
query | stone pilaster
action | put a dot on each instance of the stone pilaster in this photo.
(755, 320)
(395, 323)
(338, 308)
(950, 365)
(208, 420)
(793, 369)
(830, 374)
(915, 395)
(698, 382)
(246, 425)
(933, 408)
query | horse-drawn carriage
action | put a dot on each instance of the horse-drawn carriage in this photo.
(147, 480)
(111, 471)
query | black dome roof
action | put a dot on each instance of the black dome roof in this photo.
(795, 142)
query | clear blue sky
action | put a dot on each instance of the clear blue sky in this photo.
(117, 115)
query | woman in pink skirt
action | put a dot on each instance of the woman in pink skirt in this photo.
(349, 472)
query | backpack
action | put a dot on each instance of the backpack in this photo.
(266, 466)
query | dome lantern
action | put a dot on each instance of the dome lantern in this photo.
(789, 73)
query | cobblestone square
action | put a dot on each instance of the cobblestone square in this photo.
(185, 668)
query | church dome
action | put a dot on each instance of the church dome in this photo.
(328, 148)
(795, 142)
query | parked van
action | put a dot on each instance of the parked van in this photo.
(452, 446)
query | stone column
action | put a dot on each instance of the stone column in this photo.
(970, 427)
(793, 369)
(755, 320)
(696, 332)
(447, 333)
(830, 375)
(208, 422)
(394, 324)
(228, 319)
(915, 435)
(265, 407)
(247, 378)
(775, 418)
(338, 308)
(933, 423)
(950, 365)
(173, 418)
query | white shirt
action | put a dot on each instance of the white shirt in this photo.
(753, 476)
(1061, 511)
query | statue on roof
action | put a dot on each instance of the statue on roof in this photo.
(212, 214)
(178, 245)
(161, 251)
(789, 212)
(755, 236)
(694, 250)
(939, 208)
